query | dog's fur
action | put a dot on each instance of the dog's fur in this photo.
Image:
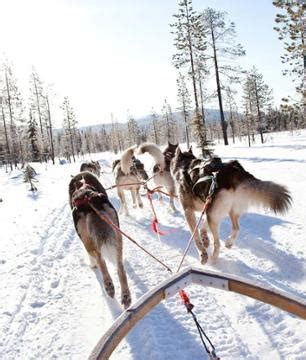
(161, 169)
(129, 170)
(92, 166)
(237, 190)
(98, 237)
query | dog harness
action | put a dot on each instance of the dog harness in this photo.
(206, 182)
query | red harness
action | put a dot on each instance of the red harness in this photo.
(85, 199)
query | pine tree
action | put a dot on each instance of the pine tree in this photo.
(32, 133)
(232, 108)
(49, 126)
(69, 126)
(155, 127)
(133, 131)
(13, 111)
(291, 28)
(37, 100)
(29, 175)
(185, 103)
(261, 97)
(6, 135)
(221, 35)
(291, 31)
(191, 44)
(199, 135)
(249, 106)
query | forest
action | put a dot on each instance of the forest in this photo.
(204, 45)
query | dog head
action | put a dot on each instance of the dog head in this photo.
(169, 152)
(84, 181)
(92, 166)
(181, 160)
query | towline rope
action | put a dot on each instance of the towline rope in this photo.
(109, 221)
(140, 182)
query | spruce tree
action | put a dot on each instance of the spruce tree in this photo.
(29, 175)
(32, 134)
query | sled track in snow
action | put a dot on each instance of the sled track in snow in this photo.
(43, 269)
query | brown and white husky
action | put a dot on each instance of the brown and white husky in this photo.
(161, 169)
(99, 238)
(236, 191)
(129, 172)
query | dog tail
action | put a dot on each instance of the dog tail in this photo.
(267, 194)
(127, 159)
(155, 152)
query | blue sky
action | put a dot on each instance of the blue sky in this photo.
(115, 56)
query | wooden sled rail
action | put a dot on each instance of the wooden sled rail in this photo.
(168, 288)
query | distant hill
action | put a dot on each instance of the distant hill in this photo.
(211, 115)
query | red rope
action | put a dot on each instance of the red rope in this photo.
(108, 221)
(154, 223)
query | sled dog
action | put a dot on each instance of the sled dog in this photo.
(128, 173)
(161, 169)
(236, 190)
(99, 238)
(92, 166)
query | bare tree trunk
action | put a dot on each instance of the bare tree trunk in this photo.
(9, 101)
(186, 124)
(50, 130)
(38, 109)
(223, 123)
(70, 133)
(259, 114)
(192, 63)
(6, 139)
(202, 104)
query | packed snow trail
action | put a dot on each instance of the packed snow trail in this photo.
(53, 305)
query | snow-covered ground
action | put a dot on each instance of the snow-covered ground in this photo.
(52, 303)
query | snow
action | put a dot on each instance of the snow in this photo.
(53, 305)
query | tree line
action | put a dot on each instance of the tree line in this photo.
(205, 46)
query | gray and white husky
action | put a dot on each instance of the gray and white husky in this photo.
(129, 172)
(161, 169)
(92, 166)
(236, 191)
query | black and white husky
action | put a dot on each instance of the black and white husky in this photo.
(236, 191)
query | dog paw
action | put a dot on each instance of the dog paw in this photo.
(229, 244)
(126, 299)
(205, 239)
(204, 258)
(109, 288)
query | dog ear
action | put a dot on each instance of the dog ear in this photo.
(178, 151)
